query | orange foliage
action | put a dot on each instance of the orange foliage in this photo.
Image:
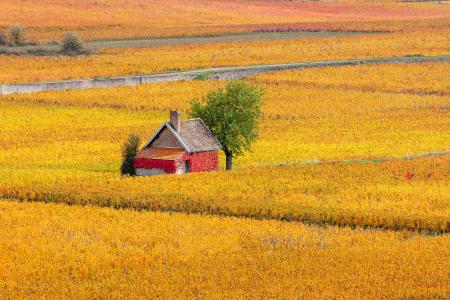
(112, 19)
(114, 62)
(418, 78)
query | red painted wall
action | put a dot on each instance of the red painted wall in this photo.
(168, 166)
(203, 161)
(198, 162)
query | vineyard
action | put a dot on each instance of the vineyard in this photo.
(129, 61)
(87, 251)
(355, 125)
(336, 123)
(344, 195)
(175, 18)
(402, 195)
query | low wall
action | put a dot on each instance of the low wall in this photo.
(24, 88)
(211, 73)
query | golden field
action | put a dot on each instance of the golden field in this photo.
(53, 252)
(292, 94)
(89, 136)
(65, 147)
(128, 61)
(335, 123)
(111, 19)
(417, 79)
(400, 195)
(344, 196)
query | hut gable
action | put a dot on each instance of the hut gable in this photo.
(166, 139)
(193, 136)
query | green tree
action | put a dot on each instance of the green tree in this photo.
(232, 114)
(129, 150)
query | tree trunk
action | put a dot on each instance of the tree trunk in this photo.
(229, 160)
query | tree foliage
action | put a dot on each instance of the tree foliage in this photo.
(71, 43)
(129, 151)
(3, 39)
(17, 35)
(233, 115)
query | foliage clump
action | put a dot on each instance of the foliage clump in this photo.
(3, 39)
(17, 35)
(232, 114)
(129, 151)
(72, 44)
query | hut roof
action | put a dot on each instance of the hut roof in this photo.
(194, 136)
(197, 136)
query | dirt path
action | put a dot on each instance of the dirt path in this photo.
(202, 74)
(156, 42)
(142, 43)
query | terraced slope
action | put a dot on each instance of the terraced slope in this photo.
(57, 251)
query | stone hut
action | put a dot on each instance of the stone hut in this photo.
(179, 147)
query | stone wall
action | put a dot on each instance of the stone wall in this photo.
(211, 73)
(25, 88)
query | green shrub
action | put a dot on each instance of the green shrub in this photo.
(129, 150)
(17, 35)
(71, 43)
(3, 39)
(203, 76)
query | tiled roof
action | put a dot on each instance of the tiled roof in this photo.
(194, 136)
(197, 136)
